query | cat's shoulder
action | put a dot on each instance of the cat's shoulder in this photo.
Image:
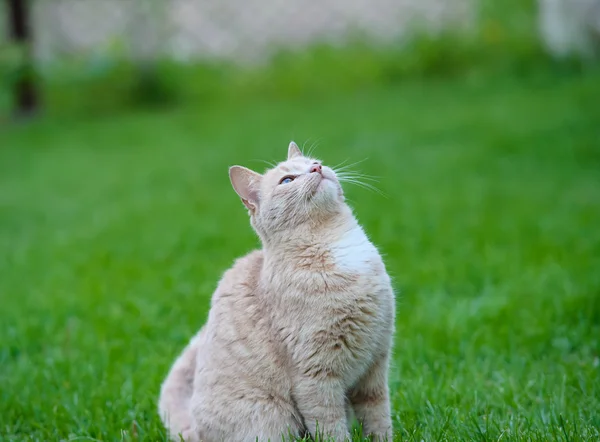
(249, 262)
(244, 271)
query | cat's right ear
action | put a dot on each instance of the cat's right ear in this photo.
(246, 184)
(293, 151)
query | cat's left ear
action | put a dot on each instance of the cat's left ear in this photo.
(246, 184)
(293, 151)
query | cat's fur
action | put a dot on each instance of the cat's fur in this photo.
(299, 333)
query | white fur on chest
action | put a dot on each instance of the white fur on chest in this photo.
(354, 253)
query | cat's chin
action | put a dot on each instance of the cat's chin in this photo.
(324, 184)
(327, 194)
(324, 187)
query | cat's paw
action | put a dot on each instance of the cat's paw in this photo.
(382, 437)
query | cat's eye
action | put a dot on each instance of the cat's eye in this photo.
(286, 179)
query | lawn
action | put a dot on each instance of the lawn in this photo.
(115, 230)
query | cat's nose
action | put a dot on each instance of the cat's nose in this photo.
(316, 167)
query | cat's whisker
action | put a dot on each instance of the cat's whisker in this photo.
(303, 146)
(352, 179)
(371, 188)
(268, 163)
(366, 186)
(343, 168)
(340, 164)
(361, 179)
(358, 175)
(374, 189)
(312, 148)
(345, 174)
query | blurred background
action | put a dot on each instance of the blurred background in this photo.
(476, 121)
(85, 55)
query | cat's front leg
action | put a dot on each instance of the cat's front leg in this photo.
(322, 403)
(371, 403)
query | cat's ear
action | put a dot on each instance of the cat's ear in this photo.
(246, 184)
(293, 151)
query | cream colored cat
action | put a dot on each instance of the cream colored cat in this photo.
(299, 333)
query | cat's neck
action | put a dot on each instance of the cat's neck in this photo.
(286, 247)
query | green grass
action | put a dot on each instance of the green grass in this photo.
(114, 232)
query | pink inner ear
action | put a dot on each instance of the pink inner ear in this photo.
(248, 204)
(245, 182)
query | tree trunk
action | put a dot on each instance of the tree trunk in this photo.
(26, 97)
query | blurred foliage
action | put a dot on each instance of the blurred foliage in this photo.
(503, 42)
(12, 58)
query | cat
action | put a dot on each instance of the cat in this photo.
(299, 334)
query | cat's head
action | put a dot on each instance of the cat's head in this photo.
(294, 192)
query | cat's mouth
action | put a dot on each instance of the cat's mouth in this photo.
(328, 174)
(323, 183)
